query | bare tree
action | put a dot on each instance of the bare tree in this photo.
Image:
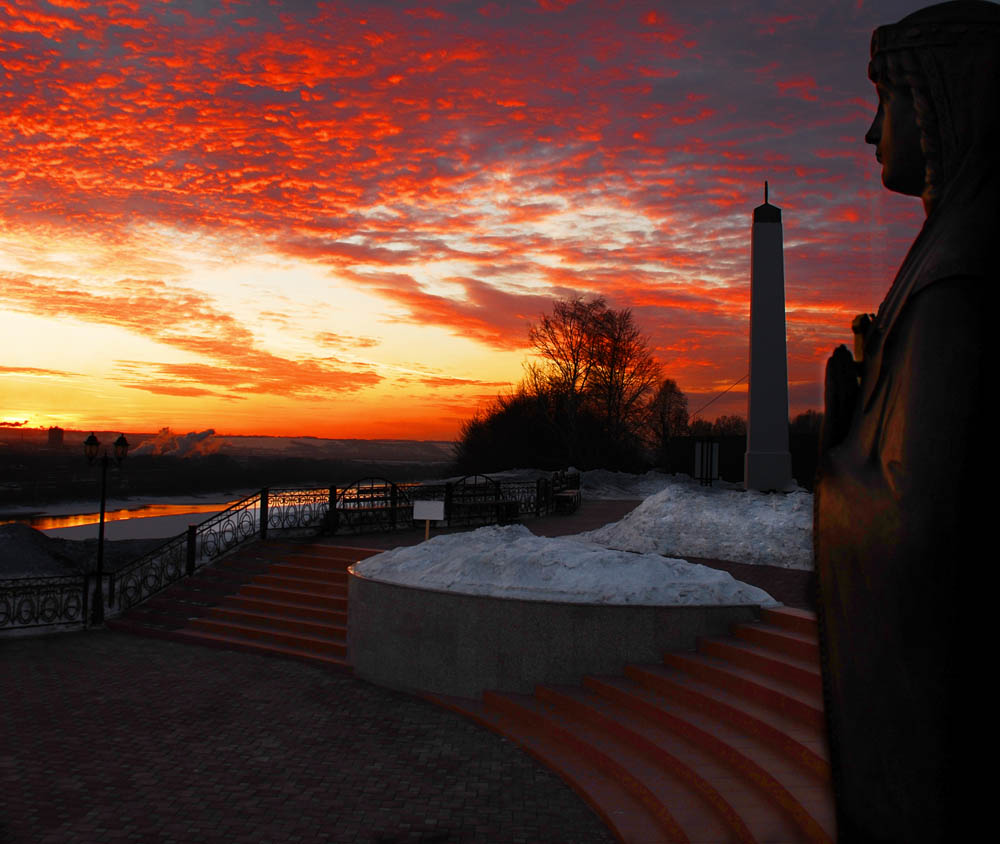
(667, 417)
(623, 373)
(582, 401)
(729, 426)
(565, 341)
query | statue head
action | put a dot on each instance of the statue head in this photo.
(937, 72)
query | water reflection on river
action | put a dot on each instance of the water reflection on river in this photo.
(146, 511)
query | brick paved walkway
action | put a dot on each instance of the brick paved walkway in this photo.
(106, 737)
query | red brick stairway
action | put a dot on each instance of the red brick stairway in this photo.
(725, 744)
(282, 598)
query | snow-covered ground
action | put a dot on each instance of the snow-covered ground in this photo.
(512, 562)
(621, 486)
(685, 519)
(632, 561)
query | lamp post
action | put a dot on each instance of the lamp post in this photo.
(91, 447)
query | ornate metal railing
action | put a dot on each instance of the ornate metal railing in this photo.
(525, 494)
(474, 500)
(148, 575)
(297, 509)
(43, 601)
(232, 527)
(371, 504)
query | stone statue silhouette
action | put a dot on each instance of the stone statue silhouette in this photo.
(899, 522)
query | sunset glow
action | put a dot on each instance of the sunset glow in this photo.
(337, 219)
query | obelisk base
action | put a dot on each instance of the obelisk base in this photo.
(768, 471)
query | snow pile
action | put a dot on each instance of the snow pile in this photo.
(512, 562)
(621, 486)
(687, 519)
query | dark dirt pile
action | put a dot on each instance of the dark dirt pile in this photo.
(26, 552)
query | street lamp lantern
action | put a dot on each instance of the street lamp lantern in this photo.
(90, 447)
(91, 450)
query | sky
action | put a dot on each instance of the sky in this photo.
(338, 219)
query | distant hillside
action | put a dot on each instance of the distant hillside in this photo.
(32, 472)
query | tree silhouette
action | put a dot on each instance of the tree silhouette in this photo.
(585, 396)
(667, 418)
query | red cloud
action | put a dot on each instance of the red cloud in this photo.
(185, 320)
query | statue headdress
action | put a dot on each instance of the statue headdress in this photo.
(946, 54)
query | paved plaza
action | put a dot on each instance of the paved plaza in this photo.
(108, 737)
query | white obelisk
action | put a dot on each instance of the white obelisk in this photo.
(768, 463)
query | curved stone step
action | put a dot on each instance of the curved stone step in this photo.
(278, 620)
(803, 674)
(294, 596)
(802, 744)
(681, 812)
(787, 642)
(798, 621)
(773, 779)
(236, 642)
(716, 786)
(624, 815)
(266, 606)
(327, 645)
(319, 574)
(781, 697)
(319, 586)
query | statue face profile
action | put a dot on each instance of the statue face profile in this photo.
(896, 136)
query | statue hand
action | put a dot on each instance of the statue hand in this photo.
(861, 325)
(841, 397)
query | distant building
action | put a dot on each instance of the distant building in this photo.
(56, 436)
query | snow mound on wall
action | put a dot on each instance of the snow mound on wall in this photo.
(603, 484)
(687, 519)
(511, 562)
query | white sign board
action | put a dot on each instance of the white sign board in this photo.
(428, 510)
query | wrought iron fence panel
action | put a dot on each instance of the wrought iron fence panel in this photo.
(428, 492)
(522, 492)
(372, 504)
(40, 601)
(150, 573)
(288, 509)
(228, 529)
(475, 499)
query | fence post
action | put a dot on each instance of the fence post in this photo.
(332, 514)
(394, 500)
(86, 599)
(447, 503)
(263, 513)
(538, 497)
(192, 548)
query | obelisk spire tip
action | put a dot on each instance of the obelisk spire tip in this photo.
(765, 191)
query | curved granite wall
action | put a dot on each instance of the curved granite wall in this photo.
(428, 640)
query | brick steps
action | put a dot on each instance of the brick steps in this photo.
(724, 744)
(718, 745)
(623, 812)
(279, 598)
